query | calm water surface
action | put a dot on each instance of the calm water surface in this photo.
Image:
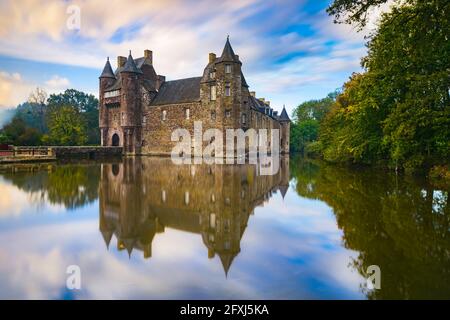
(145, 228)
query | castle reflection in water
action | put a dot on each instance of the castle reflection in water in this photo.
(142, 196)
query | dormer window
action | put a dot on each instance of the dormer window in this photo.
(228, 68)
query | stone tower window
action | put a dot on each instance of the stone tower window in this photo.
(227, 113)
(212, 220)
(244, 118)
(228, 68)
(213, 115)
(227, 89)
(212, 75)
(186, 198)
(144, 119)
(212, 93)
(164, 115)
(187, 113)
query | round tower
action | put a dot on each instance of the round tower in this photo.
(131, 106)
(106, 79)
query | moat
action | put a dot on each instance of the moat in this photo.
(143, 227)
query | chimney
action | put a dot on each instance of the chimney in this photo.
(237, 57)
(263, 100)
(121, 61)
(212, 57)
(148, 54)
(253, 93)
(268, 103)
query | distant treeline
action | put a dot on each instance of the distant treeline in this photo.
(68, 118)
(397, 112)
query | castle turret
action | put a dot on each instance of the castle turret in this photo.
(221, 88)
(130, 106)
(285, 123)
(106, 79)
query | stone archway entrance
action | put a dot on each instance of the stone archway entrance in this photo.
(115, 140)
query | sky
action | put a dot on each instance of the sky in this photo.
(291, 50)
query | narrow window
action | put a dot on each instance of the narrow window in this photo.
(212, 75)
(244, 118)
(227, 89)
(228, 68)
(212, 220)
(163, 195)
(213, 115)
(164, 115)
(186, 198)
(187, 113)
(213, 93)
(228, 113)
(144, 120)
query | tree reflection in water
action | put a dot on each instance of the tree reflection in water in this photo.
(70, 185)
(399, 223)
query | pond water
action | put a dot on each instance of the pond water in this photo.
(146, 228)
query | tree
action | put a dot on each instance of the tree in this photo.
(306, 120)
(66, 127)
(18, 133)
(85, 104)
(355, 12)
(37, 99)
(399, 109)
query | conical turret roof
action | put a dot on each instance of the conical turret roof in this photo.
(130, 65)
(107, 70)
(284, 116)
(228, 53)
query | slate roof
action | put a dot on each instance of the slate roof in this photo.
(107, 70)
(228, 53)
(178, 91)
(130, 66)
(284, 116)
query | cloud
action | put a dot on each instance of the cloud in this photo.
(13, 89)
(267, 35)
(57, 83)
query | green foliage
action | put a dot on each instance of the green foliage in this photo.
(17, 132)
(399, 109)
(87, 107)
(33, 115)
(68, 118)
(66, 127)
(354, 12)
(306, 120)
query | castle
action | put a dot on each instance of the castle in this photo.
(214, 202)
(139, 109)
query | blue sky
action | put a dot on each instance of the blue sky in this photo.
(291, 50)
